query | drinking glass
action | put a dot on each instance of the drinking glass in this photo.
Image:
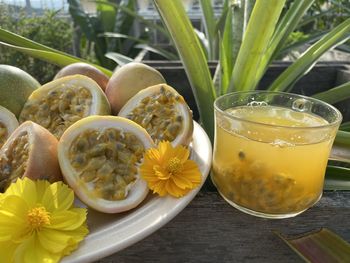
(271, 151)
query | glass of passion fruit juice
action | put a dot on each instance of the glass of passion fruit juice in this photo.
(271, 151)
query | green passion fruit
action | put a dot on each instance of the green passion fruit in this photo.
(30, 151)
(85, 69)
(15, 87)
(163, 112)
(99, 158)
(128, 80)
(60, 103)
(8, 123)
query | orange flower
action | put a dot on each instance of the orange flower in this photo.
(167, 170)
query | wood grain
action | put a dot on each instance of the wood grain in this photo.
(210, 230)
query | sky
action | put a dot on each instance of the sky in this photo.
(46, 4)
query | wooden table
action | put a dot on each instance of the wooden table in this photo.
(210, 230)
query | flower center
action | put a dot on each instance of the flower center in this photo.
(38, 217)
(174, 165)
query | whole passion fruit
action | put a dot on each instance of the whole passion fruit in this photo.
(8, 123)
(60, 103)
(86, 70)
(99, 158)
(30, 151)
(163, 112)
(129, 80)
(15, 87)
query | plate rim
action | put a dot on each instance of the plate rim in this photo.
(199, 138)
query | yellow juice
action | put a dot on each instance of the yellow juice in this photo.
(275, 167)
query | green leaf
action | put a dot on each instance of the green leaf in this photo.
(343, 139)
(335, 95)
(337, 178)
(107, 15)
(345, 126)
(300, 67)
(37, 50)
(140, 18)
(319, 246)
(176, 20)
(120, 59)
(166, 54)
(209, 25)
(284, 28)
(226, 53)
(256, 40)
(308, 40)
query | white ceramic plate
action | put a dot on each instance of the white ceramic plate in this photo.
(112, 233)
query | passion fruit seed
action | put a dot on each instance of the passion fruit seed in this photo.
(59, 109)
(3, 134)
(107, 159)
(14, 161)
(252, 185)
(158, 116)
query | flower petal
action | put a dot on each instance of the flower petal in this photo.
(182, 153)
(159, 188)
(7, 250)
(24, 188)
(61, 242)
(68, 220)
(173, 189)
(12, 219)
(31, 251)
(181, 181)
(58, 197)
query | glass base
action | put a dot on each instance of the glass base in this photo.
(261, 214)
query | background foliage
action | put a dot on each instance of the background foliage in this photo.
(47, 29)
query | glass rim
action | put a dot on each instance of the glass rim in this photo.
(337, 121)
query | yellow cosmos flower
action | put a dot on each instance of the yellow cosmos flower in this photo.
(38, 222)
(167, 170)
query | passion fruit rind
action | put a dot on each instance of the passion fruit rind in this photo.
(163, 112)
(8, 123)
(60, 103)
(85, 69)
(128, 80)
(30, 151)
(99, 158)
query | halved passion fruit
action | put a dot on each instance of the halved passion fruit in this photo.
(99, 158)
(8, 123)
(59, 103)
(163, 112)
(30, 151)
(129, 79)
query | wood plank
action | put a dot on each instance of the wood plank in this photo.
(210, 230)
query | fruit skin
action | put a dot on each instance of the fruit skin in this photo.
(42, 163)
(15, 87)
(134, 198)
(86, 70)
(128, 80)
(101, 105)
(186, 135)
(9, 119)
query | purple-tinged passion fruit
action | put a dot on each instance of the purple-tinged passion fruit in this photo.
(30, 151)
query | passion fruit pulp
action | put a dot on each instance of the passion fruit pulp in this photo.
(99, 158)
(163, 112)
(30, 151)
(85, 69)
(8, 123)
(128, 80)
(60, 103)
